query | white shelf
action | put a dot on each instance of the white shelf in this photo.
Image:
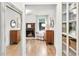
(73, 49)
(72, 8)
(72, 36)
(15, 29)
(72, 21)
(64, 33)
(64, 21)
(69, 35)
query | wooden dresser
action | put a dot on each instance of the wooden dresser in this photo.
(14, 36)
(49, 36)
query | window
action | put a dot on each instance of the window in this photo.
(41, 19)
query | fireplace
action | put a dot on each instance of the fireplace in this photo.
(30, 29)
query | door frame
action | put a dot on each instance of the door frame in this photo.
(4, 5)
(57, 25)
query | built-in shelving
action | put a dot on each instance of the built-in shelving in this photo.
(64, 13)
(64, 31)
(72, 44)
(70, 29)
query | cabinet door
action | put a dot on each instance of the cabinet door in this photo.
(14, 37)
(47, 36)
(50, 36)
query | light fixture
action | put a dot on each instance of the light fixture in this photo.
(28, 11)
(43, 25)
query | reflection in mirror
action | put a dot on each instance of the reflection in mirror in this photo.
(12, 30)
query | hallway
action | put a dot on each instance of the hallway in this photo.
(24, 21)
(39, 48)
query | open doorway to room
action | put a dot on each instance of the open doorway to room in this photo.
(13, 19)
(30, 29)
(43, 16)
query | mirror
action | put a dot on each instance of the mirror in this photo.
(12, 23)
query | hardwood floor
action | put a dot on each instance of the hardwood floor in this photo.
(39, 48)
(12, 50)
(33, 48)
(51, 50)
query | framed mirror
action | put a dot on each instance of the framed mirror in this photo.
(12, 23)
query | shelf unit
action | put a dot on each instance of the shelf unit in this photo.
(70, 29)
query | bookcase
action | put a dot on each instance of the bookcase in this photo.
(70, 30)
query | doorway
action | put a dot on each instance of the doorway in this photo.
(30, 29)
(44, 16)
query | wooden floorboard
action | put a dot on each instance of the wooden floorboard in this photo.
(13, 50)
(33, 48)
(39, 48)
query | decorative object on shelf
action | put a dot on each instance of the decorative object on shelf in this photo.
(12, 23)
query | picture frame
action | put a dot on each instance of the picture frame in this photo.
(51, 23)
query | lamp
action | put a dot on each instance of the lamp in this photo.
(29, 25)
(43, 25)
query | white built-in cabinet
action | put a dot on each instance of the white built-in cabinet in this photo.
(70, 29)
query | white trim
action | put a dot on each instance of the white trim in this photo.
(2, 27)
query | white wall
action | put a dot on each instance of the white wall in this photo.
(21, 6)
(2, 37)
(0, 28)
(58, 31)
(49, 10)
